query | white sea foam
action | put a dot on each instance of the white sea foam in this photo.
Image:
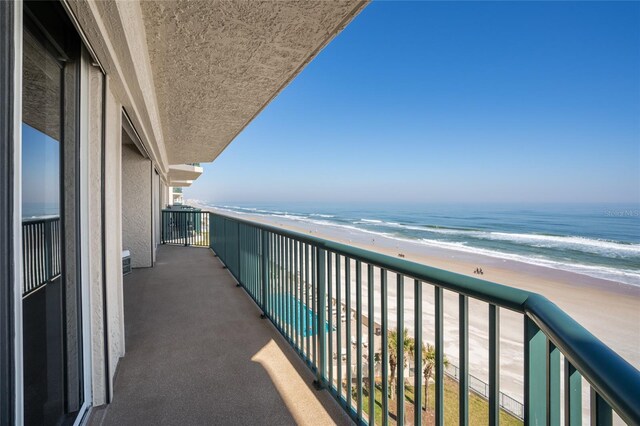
(623, 275)
(588, 245)
(593, 246)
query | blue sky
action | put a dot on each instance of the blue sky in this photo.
(40, 173)
(452, 102)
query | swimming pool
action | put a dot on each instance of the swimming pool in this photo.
(308, 319)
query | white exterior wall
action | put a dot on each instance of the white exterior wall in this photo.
(95, 234)
(113, 233)
(137, 216)
(115, 33)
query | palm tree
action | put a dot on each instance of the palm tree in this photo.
(429, 363)
(407, 344)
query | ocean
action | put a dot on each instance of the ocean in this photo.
(598, 240)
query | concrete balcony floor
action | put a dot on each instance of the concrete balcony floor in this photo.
(197, 353)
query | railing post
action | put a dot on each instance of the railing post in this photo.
(439, 349)
(553, 384)
(264, 259)
(185, 227)
(494, 365)
(400, 349)
(239, 242)
(601, 413)
(164, 226)
(535, 366)
(463, 373)
(322, 317)
(48, 249)
(572, 395)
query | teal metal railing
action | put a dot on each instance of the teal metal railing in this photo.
(41, 253)
(293, 275)
(185, 226)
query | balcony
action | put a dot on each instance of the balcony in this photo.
(337, 307)
(197, 352)
(276, 326)
(182, 175)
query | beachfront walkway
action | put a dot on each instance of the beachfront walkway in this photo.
(197, 353)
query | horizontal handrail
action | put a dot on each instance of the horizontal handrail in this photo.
(608, 373)
(612, 377)
(40, 219)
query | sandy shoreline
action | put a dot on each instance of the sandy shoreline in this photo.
(609, 310)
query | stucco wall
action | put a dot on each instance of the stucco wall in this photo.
(136, 206)
(113, 232)
(155, 192)
(95, 234)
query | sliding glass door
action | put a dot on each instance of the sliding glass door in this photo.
(52, 345)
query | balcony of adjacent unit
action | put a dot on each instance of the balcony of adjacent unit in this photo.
(182, 175)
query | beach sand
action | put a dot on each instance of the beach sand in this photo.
(609, 310)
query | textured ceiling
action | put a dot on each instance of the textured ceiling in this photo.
(216, 64)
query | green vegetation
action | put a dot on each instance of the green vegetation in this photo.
(478, 407)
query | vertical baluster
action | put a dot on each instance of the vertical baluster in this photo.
(601, 413)
(290, 297)
(48, 248)
(463, 380)
(535, 398)
(439, 367)
(25, 260)
(281, 310)
(400, 349)
(36, 256)
(330, 314)
(385, 346)
(417, 352)
(494, 365)
(274, 273)
(339, 326)
(572, 395)
(264, 261)
(553, 384)
(285, 285)
(359, 336)
(371, 361)
(240, 239)
(273, 281)
(321, 283)
(296, 283)
(185, 221)
(314, 306)
(347, 294)
(307, 309)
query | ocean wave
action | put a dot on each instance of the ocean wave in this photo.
(615, 274)
(588, 245)
(464, 242)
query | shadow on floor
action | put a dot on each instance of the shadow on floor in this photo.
(198, 353)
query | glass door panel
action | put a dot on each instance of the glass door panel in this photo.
(51, 298)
